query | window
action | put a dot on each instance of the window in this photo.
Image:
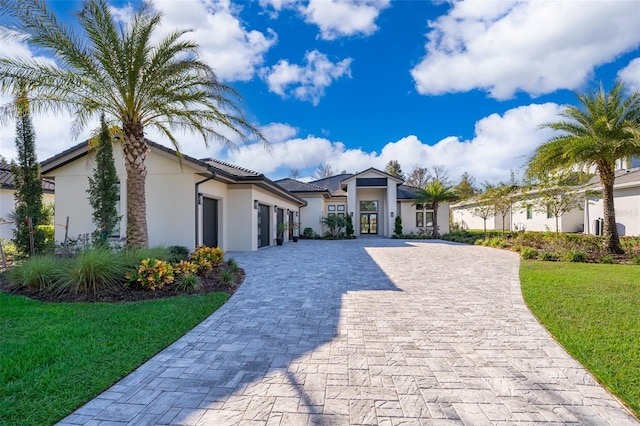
(368, 206)
(331, 214)
(419, 219)
(341, 215)
(549, 212)
(424, 218)
(331, 208)
(340, 207)
(428, 218)
(529, 211)
(419, 207)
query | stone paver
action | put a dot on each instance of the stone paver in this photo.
(364, 332)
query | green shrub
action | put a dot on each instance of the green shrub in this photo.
(528, 253)
(607, 259)
(177, 253)
(226, 277)
(233, 265)
(134, 257)
(548, 256)
(152, 274)
(635, 260)
(93, 272)
(39, 273)
(188, 282)
(308, 233)
(575, 256)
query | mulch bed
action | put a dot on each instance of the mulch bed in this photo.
(210, 284)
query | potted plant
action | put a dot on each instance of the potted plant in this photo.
(296, 231)
(282, 228)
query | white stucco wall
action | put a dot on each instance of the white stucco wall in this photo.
(627, 206)
(311, 214)
(242, 219)
(465, 217)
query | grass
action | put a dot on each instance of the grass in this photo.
(56, 356)
(592, 310)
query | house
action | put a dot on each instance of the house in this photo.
(467, 214)
(626, 199)
(372, 198)
(7, 198)
(189, 201)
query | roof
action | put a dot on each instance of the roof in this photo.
(406, 192)
(222, 171)
(332, 183)
(293, 185)
(373, 169)
(7, 182)
(624, 177)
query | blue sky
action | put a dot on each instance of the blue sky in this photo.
(356, 83)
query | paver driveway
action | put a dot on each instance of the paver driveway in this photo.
(368, 331)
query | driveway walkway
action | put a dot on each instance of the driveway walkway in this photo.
(368, 331)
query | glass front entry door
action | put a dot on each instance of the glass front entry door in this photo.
(368, 223)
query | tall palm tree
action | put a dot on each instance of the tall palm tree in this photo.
(434, 193)
(605, 127)
(117, 69)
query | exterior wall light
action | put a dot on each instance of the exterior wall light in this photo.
(275, 209)
(255, 204)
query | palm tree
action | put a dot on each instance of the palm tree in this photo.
(114, 68)
(434, 193)
(604, 128)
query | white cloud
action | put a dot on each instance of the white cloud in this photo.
(537, 47)
(343, 18)
(278, 132)
(306, 82)
(630, 75)
(501, 143)
(233, 51)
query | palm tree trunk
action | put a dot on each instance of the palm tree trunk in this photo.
(135, 152)
(435, 219)
(609, 229)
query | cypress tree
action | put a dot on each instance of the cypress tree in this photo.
(104, 193)
(27, 181)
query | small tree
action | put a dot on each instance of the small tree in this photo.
(418, 177)
(435, 192)
(104, 193)
(465, 188)
(393, 168)
(324, 170)
(27, 182)
(348, 229)
(397, 228)
(484, 210)
(557, 195)
(335, 224)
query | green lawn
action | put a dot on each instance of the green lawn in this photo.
(56, 356)
(594, 312)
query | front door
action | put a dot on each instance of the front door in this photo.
(263, 225)
(210, 222)
(368, 223)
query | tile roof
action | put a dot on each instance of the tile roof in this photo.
(406, 192)
(332, 183)
(293, 185)
(6, 179)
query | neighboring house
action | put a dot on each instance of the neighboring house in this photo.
(626, 199)
(372, 198)
(464, 215)
(189, 202)
(526, 216)
(8, 201)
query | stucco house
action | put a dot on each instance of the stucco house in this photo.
(372, 198)
(189, 201)
(8, 201)
(626, 199)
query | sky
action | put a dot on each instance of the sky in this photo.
(357, 83)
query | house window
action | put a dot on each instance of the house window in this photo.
(368, 206)
(341, 215)
(331, 208)
(341, 207)
(549, 213)
(424, 218)
(331, 214)
(529, 211)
